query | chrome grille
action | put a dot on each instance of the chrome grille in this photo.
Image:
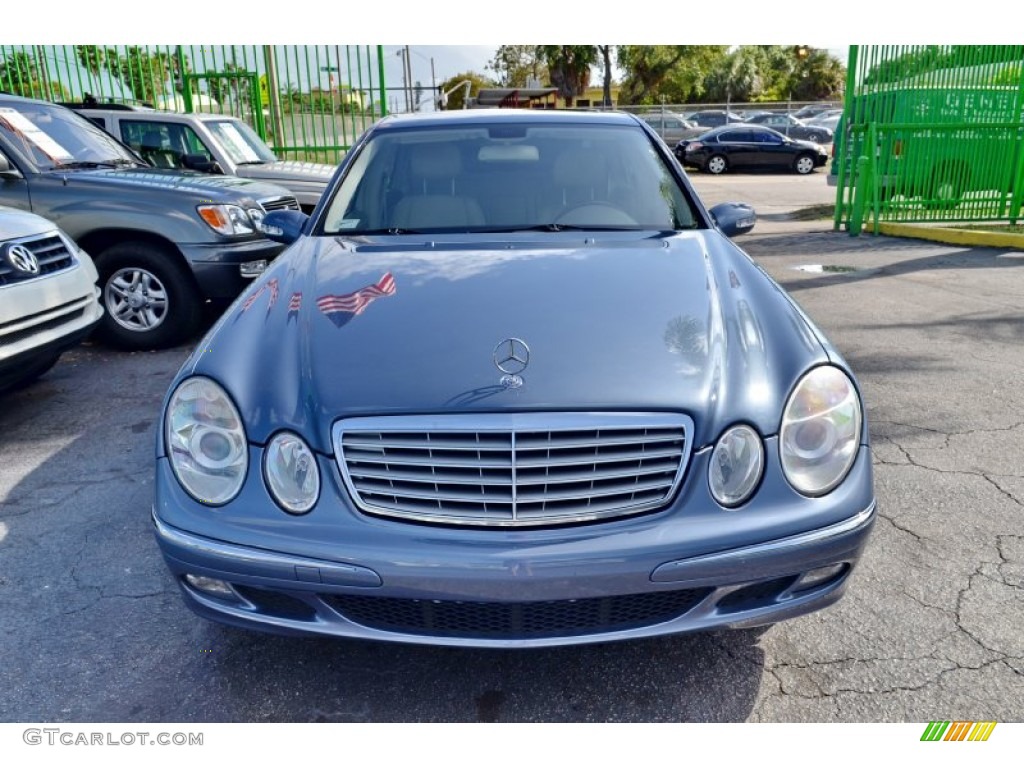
(280, 204)
(513, 469)
(51, 251)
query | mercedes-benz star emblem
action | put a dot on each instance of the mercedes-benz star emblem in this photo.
(512, 356)
(22, 259)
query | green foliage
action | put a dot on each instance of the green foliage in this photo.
(673, 73)
(20, 74)
(146, 75)
(515, 65)
(230, 90)
(455, 98)
(817, 77)
(569, 68)
(921, 60)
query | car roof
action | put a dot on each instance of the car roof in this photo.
(490, 116)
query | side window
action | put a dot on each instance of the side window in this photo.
(193, 144)
(735, 137)
(152, 140)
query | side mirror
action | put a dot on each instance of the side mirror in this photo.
(734, 218)
(8, 171)
(201, 163)
(284, 226)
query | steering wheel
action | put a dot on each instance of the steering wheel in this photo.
(595, 213)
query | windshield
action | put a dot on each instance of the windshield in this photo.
(55, 137)
(507, 177)
(241, 143)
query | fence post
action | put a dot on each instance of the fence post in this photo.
(186, 84)
(273, 94)
(383, 87)
(860, 191)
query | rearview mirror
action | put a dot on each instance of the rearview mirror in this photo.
(734, 218)
(201, 163)
(8, 171)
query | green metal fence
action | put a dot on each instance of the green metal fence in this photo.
(308, 102)
(931, 134)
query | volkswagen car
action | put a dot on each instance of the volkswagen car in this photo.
(511, 384)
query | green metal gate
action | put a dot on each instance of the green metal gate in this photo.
(931, 134)
(307, 102)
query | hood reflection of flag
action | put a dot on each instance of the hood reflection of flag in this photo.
(342, 308)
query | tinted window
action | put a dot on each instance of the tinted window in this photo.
(508, 176)
(735, 136)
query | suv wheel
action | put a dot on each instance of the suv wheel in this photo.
(149, 300)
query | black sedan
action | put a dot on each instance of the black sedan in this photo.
(714, 118)
(792, 127)
(749, 147)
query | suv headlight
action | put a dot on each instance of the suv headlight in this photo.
(820, 434)
(206, 441)
(227, 219)
(736, 465)
(291, 473)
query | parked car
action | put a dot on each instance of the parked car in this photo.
(713, 118)
(828, 120)
(210, 143)
(163, 241)
(792, 127)
(812, 110)
(512, 385)
(752, 147)
(48, 296)
(673, 128)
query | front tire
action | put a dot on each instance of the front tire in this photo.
(716, 164)
(803, 164)
(151, 302)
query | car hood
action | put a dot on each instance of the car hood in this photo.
(343, 327)
(15, 223)
(288, 170)
(204, 187)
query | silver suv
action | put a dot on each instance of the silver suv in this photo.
(48, 296)
(212, 144)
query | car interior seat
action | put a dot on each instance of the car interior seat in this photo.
(155, 153)
(433, 199)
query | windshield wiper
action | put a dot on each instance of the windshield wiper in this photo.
(115, 163)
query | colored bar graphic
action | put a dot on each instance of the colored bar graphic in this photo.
(958, 730)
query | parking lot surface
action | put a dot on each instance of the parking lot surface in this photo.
(932, 626)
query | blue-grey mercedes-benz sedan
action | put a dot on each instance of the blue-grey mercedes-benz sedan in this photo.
(511, 385)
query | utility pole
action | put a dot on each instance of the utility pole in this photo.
(410, 99)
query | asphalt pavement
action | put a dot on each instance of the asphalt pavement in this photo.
(931, 628)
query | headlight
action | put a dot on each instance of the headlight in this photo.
(290, 470)
(736, 465)
(227, 219)
(206, 441)
(256, 215)
(820, 433)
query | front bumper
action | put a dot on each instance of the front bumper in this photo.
(216, 266)
(637, 577)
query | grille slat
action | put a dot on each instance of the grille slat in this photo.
(280, 204)
(513, 469)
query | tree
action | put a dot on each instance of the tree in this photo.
(455, 97)
(735, 77)
(144, 74)
(20, 74)
(606, 81)
(231, 90)
(818, 76)
(515, 65)
(675, 73)
(569, 68)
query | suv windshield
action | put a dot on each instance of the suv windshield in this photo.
(55, 137)
(506, 177)
(241, 142)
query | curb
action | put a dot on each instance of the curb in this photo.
(952, 235)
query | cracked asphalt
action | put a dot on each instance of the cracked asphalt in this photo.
(932, 626)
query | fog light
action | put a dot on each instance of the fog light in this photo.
(214, 587)
(818, 576)
(252, 268)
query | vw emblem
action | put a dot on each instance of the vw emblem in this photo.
(23, 260)
(512, 356)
